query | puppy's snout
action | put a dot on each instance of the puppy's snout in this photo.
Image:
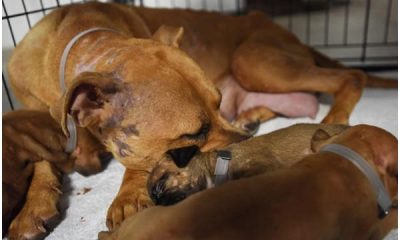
(168, 187)
(160, 195)
(182, 156)
(91, 163)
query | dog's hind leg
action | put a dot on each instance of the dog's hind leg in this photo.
(261, 65)
(372, 81)
(40, 208)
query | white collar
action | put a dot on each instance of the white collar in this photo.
(71, 126)
(382, 195)
(222, 167)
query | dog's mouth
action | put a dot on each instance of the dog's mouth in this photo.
(182, 156)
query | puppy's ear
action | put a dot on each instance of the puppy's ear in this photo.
(88, 99)
(169, 35)
(319, 139)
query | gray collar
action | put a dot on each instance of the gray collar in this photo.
(71, 126)
(382, 195)
(222, 167)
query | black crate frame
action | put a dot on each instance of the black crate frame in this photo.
(364, 45)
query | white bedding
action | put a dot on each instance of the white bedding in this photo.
(85, 213)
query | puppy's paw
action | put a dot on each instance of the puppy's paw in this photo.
(125, 205)
(248, 126)
(34, 220)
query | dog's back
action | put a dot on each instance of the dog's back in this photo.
(287, 145)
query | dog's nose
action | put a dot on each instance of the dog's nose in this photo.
(182, 156)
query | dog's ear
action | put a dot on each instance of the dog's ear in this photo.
(169, 35)
(87, 100)
(56, 110)
(319, 139)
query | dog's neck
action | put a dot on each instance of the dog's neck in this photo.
(242, 164)
(382, 194)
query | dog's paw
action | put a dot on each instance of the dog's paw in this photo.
(34, 220)
(125, 205)
(105, 235)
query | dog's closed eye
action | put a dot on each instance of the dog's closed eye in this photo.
(200, 134)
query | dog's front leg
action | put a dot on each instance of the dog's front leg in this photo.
(40, 212)
(131, 198)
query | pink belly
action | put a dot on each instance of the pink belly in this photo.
(296, 104)
(235, 100)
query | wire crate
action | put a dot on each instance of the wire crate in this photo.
(360, 33)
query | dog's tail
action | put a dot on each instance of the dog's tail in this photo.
(372, 81)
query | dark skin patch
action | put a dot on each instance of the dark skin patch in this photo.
(130, 130)
(123, 148)
(113, 121)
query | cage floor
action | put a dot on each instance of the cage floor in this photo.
(85, 211)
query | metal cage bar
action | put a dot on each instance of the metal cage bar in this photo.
(7, 92)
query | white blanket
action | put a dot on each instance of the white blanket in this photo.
(85, 213)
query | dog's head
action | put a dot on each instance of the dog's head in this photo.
(151, 99)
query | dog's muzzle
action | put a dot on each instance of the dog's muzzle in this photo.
(182, 156)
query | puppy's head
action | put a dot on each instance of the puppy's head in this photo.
(376, 145)
(151, 99)
(168, 184)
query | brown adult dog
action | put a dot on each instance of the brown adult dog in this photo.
(123, 88)
(33, 163)
(141, 96)
(323, 196)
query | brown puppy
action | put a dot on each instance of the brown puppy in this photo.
(279, 149)
(141, 96)
(324, 196)
(34, 159)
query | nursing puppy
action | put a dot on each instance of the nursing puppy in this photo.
(279, 149)
(33, 161)
(322, 196)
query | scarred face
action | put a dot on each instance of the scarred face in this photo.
(150, 100)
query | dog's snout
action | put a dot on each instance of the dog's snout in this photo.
(182, 156)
